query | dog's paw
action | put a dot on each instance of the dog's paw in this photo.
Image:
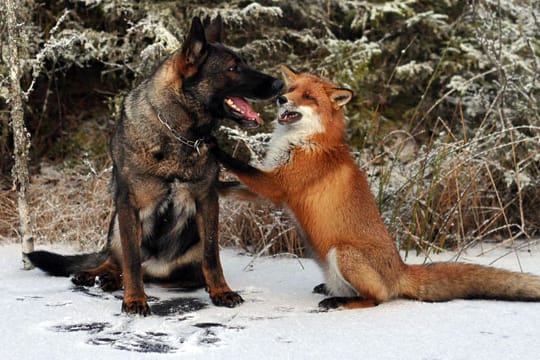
(83, 278)
(228, 299)
(136, 307)
(109, 282)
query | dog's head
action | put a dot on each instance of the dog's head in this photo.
(219, 77)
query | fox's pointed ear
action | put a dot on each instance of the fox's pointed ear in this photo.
(340, 97)
(214, 31)
(289, 74)
(195, 46)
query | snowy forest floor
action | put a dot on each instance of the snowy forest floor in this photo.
(49, 318)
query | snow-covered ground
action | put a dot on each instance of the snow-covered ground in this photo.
(44, 317)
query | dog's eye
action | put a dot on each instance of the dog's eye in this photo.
(233, 68)
(307, 96)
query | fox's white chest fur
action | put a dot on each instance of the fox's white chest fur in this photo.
(285, 138)
(288, 136)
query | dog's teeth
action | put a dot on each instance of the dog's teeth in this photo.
(232, 105)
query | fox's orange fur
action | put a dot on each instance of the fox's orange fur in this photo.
(309, 169)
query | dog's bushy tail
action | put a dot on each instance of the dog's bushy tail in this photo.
(66, 265)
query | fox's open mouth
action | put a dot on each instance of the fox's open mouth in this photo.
(241, 111)
(289, 117)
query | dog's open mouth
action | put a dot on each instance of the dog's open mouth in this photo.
(240, 109)
(289, 117)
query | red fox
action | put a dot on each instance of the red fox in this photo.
(309, 169)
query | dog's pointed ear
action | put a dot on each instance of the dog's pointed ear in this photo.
(340, 97)
(214, 31)
(289, 74)
(194, 49)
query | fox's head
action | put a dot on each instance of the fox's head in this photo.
(312, 105)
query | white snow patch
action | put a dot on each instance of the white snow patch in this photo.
(43, 317)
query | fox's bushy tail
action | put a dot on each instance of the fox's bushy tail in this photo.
(66, 265)
(447, 281)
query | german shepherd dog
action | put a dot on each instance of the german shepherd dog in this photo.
(165, 222)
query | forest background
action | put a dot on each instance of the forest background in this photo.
(445, 119)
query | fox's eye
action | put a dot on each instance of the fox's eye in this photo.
(291, 89)
(308, 97)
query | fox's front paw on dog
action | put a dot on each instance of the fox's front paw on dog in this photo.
(136, 307)
(228, 299)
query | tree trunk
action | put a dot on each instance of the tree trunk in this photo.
(21, 136)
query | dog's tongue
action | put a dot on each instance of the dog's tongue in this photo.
(246, 109)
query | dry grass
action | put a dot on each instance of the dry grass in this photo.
(259, 228)
(68, 205)
(465, 191)
(8, 215)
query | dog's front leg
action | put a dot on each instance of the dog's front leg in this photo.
(207, 224)
(131, 236)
